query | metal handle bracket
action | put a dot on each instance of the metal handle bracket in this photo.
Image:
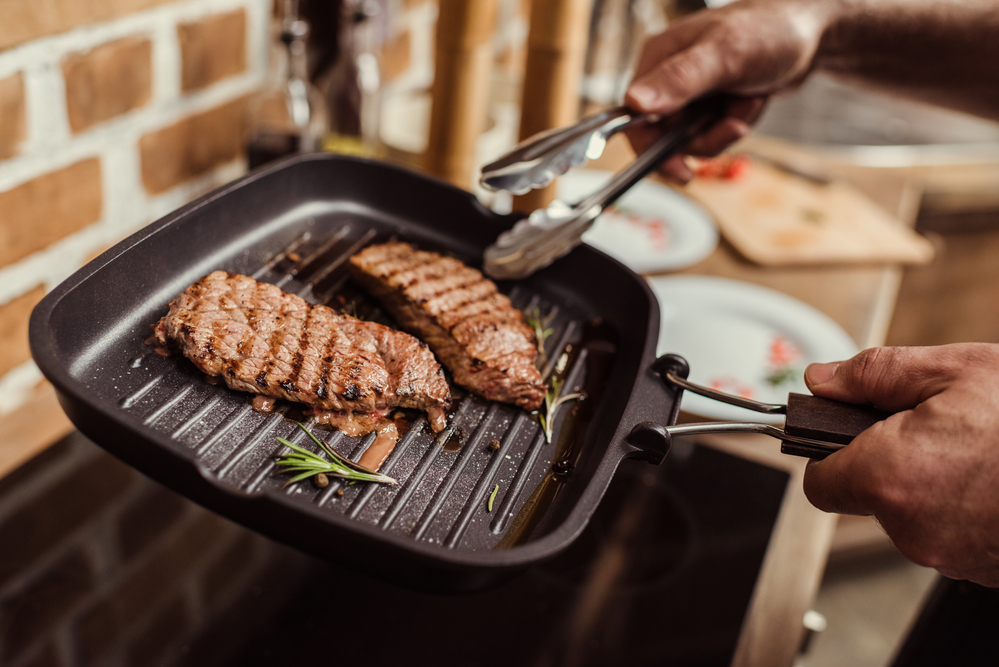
(791, 443)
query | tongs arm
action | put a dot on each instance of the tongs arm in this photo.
(548, 234)
(537, 161)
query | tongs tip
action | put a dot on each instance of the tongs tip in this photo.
(551, 233)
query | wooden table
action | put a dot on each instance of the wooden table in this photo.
(861, 299)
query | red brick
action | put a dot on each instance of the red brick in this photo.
(30, 615)
(107, 81)
(44, 522)
(166, 629)
(147, 518)
(14, 329)
(192, 146)
(14, 127)
(212, 49)
(25, 20)
(48, 208)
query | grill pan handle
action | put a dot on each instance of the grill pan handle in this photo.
(814, 427)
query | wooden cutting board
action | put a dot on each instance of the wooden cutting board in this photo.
(775, 217)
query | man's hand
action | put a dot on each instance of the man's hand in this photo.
(749, 48)
(930, 473)
(942, 51)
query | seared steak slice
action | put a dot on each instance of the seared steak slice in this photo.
(470, 326)
(262, 340)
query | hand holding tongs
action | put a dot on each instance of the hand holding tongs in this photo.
(550, 233)
(814, 427)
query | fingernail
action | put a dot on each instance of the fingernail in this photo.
(821, 373)
(644, 96)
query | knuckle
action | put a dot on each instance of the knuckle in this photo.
(945, 360)
(900, 509)
(867, 367)
(927, 552)
(888, 490)
(681, 73)
(958, 357)
(647, 57)
(889, 499)
(918, 553)
(815, 486)
(733, 52)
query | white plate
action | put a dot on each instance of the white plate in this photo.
(651, 228)
(743, 339)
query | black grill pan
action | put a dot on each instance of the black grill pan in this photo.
(295, 224)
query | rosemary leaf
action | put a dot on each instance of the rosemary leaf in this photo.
(298, 478)
(308, 464)
(539, 324)
(553, 400)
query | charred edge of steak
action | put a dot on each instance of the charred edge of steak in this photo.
(417, 289)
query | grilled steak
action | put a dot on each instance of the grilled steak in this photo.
(262, 340)
(470, 326)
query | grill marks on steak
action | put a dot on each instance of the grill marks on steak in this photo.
(262, 340)
(471, 327)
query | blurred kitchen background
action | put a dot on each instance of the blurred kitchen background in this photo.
(114, 114)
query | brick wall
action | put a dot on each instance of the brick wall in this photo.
(112, 114)
(101, 566)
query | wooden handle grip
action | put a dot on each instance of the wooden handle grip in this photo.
(827, 420)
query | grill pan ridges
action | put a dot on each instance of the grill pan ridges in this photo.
(239, 448)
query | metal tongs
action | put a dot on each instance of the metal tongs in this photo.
(814, 427)
(549, 233)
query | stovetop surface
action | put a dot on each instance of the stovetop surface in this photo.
(662, 575)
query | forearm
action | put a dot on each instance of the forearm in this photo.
(940, 51)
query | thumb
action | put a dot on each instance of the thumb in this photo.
(891, 378)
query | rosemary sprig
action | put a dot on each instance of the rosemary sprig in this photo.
(307, 464)
(540, 324)
(552, 402)
(492, 497)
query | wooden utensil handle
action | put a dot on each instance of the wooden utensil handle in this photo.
(823, 419)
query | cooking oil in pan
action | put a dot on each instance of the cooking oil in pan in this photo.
(596, 351)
